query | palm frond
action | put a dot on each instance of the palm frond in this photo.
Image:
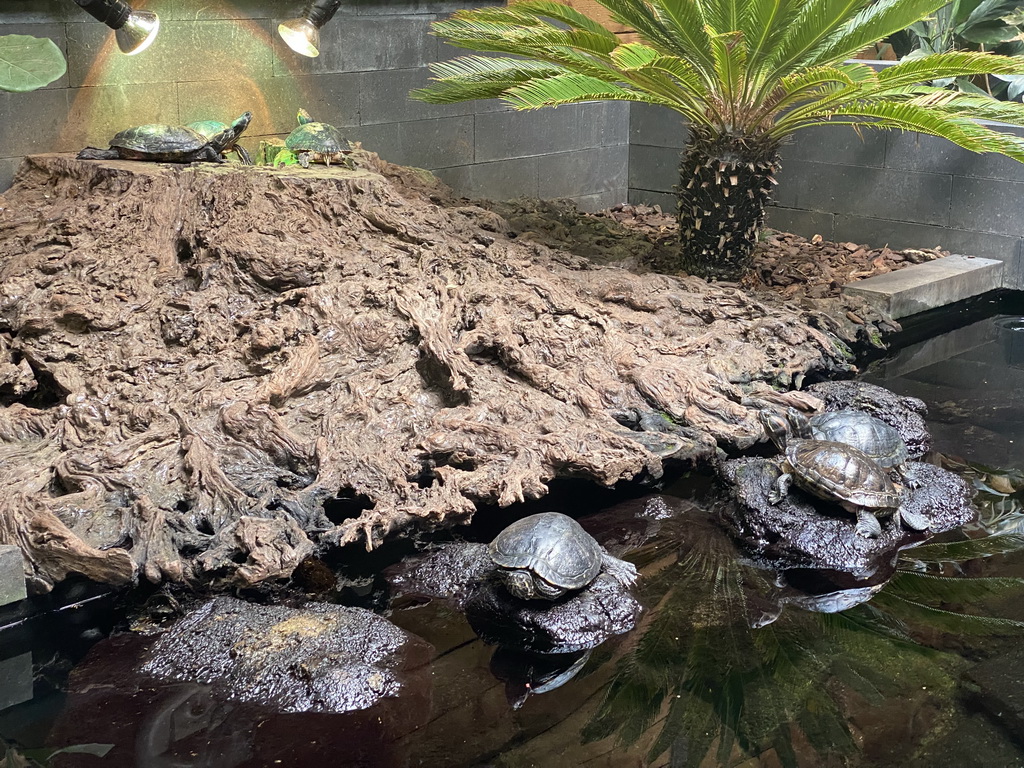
(562, 13)
(943, 65)
(674, 27)
(572, 89)
(926, 587)
(945, 621)
(964, 551)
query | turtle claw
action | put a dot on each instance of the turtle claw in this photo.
(915, 521)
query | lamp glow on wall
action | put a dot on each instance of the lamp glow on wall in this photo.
(133, 30)
(303, 34)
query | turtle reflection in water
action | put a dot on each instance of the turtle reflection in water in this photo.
(839, 473)
(546, 556)
(162, 143)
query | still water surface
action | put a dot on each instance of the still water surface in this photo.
(928, 673)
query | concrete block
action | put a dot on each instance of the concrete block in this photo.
(930, 285)
(874, 192)
(900, 234)
(184, 51)
(653, 168)
(12, 575)
(647, 197)
(32, 122)
(502, 180)
(384, 98)
(506, 135)
(8, 167)
(603, 124)
(382, 138)
(358, 43)
(656, 126)
(38, 12)
(274, 101)
(988, 205)
(920, 152)
(585, 172)
(440, 143)
(15, 680)
(803, 223)
(177, 10)
(838, 145)
(96, 114)
(55, 32)
(436, 7)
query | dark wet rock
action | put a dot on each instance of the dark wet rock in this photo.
(905, 414)
(803, 532)
(463, 574)
(995, 685)
(321, 658)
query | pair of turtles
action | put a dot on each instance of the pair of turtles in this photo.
(209, 140)
(845, 457)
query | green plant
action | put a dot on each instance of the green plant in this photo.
(28, 63)
(744, 75)
(970, 25)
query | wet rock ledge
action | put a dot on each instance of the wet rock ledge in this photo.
(207, 372)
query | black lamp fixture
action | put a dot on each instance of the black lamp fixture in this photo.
(303, 34)
(133, 30)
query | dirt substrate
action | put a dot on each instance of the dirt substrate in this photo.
(208, 372)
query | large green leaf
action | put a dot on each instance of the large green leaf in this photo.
(28, 63)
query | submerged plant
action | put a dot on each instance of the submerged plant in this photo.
(28, 63)
(743, 74)
(710, 683)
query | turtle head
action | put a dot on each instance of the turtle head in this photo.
(304, 117)
(526, 585)
(230, 135)
(775, 427)
(798, 423)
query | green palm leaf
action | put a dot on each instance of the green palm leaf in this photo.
(964, 551)
(945, 621)
(925, 587)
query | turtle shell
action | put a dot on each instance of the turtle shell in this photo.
(835, 471)
(159, 139)
(551, 545)
(208, 128)
(879, 441)
(322, 138)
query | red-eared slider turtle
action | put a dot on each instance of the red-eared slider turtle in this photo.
(211, 128)
(168, 143)
(839, 473)
(880, 442)
(314, 142)
(544, 556)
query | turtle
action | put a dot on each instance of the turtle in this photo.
(313, 142)
(163, 143)
(545, 556)
(879, 441)
(837, 472)
(211, 128)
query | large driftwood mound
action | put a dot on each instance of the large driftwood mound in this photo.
(209, 370)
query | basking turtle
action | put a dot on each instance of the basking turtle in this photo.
(837, 472)
(879, 441)
(314, 142)
(211, 128)
(545, 556)
(168, 143)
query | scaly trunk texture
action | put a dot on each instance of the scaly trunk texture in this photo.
(209, 372)
(725, 183)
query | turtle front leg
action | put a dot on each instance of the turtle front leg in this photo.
(781, 488)
(867, 524)
(304, 159)
(904, 479)
(243, 154)
(209, 154)
(915, 521)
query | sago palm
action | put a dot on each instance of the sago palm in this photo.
(744, 75)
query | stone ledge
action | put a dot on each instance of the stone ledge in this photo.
(12, 574)
(930, 285)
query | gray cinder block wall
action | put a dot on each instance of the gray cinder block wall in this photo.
(904, 190)
(217, 58)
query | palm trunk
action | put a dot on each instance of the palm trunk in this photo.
(725, 183)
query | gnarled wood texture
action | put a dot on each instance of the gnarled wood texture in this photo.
(209, 370)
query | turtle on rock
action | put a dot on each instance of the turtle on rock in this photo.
(837, 472)
(879, 441)
(162, 143)
(211, 128)
(314, 142)
(546, 556)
